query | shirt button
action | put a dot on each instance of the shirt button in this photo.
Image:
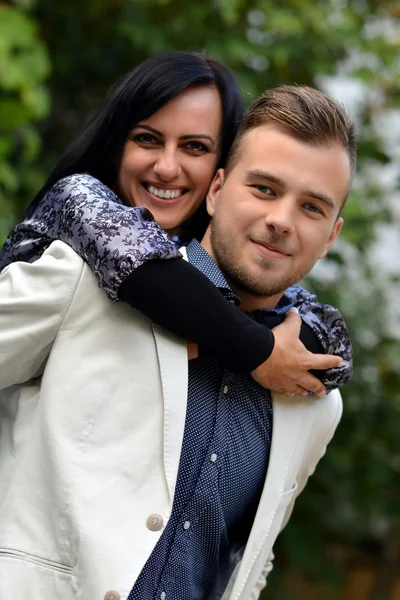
(112, 595)
(213, 457)
(225, 389)
(154, 522)
(186, 525)
(163, 595)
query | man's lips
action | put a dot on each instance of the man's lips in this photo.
(270, 250)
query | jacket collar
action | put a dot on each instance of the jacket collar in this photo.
(173, 361)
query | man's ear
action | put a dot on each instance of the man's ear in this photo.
(335, 232)
(213, 192)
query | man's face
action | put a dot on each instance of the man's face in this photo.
(276, 213)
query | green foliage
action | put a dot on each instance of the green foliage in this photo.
(24, 99)
(354, 496)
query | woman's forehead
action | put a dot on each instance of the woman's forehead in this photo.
(196, 110)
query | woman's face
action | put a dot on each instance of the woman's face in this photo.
(169, 160)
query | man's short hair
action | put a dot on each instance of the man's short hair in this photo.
(306, 114)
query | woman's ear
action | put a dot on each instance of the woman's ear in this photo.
(213, 192)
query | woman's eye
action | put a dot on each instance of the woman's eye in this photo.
(196, 147)
(145, 138)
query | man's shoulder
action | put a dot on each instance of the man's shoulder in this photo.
(62, 259)
(57, 258)
(42, 290)
(325, 414)
(330, 409)
(320, 416)
(59, 250)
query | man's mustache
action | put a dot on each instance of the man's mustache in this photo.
(273, 242)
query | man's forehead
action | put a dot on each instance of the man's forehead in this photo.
(265, 133)
(258, 144)
(261, 144)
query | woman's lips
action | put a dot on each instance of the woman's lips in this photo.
(158, 201)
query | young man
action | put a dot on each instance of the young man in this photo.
(122, 470)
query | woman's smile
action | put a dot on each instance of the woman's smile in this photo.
(164, 195)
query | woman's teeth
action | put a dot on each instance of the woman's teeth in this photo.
(168, 194)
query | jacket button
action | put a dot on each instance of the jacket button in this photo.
(112, 595)
(155, 522)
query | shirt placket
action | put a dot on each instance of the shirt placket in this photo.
(206, 491)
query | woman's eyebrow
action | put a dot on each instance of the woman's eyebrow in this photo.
(201, 136)
(148, 128)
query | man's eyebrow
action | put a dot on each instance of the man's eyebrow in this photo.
(265, 175)
(190, 136)
(327, 200)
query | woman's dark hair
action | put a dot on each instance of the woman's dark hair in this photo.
(137, 96)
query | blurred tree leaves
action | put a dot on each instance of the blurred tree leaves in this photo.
(24, 67)
(56, 63)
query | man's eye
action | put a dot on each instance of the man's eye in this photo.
(196, 147)
(313, 208)
(264, 189)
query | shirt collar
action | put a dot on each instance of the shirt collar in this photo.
(199, 258)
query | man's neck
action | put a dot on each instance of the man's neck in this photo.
(248, 301)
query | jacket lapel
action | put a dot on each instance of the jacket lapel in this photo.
(173, 361)
(288, 417)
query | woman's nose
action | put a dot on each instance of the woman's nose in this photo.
(167, 166)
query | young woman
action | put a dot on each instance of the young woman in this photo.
(152, 151)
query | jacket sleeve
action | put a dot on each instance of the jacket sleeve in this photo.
(34, 299)
(310, 464)
(328, 326)
(85, 214)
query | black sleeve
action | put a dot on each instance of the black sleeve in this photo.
(177, 296)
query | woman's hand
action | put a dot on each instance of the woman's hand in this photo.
(287, 369)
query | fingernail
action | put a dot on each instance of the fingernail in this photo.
(294, 310)
(341, 364)
(321, 394)
(305, 393)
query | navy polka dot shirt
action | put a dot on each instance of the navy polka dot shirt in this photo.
(221, 474)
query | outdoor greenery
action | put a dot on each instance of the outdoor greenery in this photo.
(57, 60)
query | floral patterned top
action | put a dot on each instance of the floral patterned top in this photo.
(115, 239)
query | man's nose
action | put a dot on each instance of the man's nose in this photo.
(167, 165)
(280, 216)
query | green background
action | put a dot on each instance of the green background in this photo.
(56, 62)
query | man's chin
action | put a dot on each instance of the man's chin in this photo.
(257, 284)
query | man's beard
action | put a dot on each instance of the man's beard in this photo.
(235, 274)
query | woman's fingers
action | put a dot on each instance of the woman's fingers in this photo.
(323, 361)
